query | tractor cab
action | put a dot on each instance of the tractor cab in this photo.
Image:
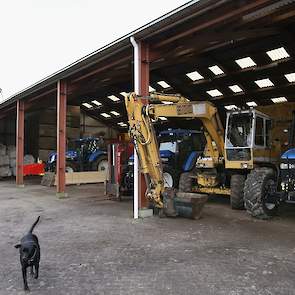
(247, 139)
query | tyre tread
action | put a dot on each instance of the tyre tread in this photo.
(237, 184)
(186, 182)
(253, 192)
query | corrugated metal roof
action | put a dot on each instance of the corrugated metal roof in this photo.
(173, 18)
(228, 37)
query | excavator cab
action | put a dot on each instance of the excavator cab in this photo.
(247, 139)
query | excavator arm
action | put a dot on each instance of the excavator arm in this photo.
(140, 116)
(145, 141)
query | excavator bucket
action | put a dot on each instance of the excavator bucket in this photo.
(189, 205)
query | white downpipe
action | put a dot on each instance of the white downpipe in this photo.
(136, 65)
(136, 185)
(136, 164)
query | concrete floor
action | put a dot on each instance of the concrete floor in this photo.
(92, 246)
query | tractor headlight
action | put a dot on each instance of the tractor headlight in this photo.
(285, 166)
(244, 165)
(164, 159)
(130, 163)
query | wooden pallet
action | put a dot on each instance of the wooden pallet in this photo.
(50, 179)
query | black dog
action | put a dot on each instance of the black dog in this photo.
(29, 250)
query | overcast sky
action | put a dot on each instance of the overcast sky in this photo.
(39, 37)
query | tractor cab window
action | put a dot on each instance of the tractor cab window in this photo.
(259, 132)
(239, 131)
(262, 132)
(168, 146)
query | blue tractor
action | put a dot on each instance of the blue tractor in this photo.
(85, 154)
(287, 175)
(179, 150)
(287, 167)
(276, 188)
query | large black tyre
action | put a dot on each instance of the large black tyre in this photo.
(257, 185)
(237, 183)
(186, 182)
(170, 177)
(100, 164)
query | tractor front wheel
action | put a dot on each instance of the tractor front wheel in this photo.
(170, 177)
(260, 183)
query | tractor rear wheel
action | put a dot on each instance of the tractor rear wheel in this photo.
(237, 183)
(259, 183)
(70, 167)
(186, 182)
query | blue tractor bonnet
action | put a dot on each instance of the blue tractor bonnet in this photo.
(289, 154)
(69, 155)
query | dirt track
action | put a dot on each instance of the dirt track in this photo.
(93, 246)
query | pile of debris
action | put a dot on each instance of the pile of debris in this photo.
(8, 160)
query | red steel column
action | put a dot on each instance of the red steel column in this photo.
(144, 82)
(20, 129)
(61, 135)
(144, 69)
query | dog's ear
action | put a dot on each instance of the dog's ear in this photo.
(17, 246)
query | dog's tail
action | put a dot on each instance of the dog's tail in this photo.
(34, 224)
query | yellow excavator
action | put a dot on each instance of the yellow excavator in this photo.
(232, 158)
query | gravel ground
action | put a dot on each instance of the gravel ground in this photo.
(90, 245)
